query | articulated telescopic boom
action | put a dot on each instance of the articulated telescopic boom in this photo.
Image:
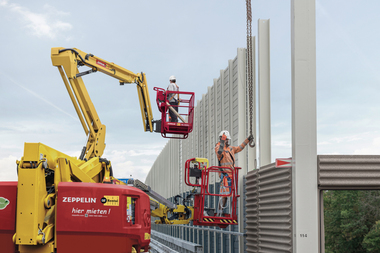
(68, 60)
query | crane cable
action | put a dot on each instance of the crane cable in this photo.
(249, 68)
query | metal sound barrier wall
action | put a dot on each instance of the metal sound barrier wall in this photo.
(224, 106)
(268, 197)
(269, 209)
(349, 172)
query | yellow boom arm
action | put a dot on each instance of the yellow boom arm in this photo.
(68, 60)
(179, 215)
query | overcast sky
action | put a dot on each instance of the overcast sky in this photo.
(192, 40)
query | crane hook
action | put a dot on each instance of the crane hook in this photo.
(252, 143)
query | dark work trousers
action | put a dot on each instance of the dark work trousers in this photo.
(173, 117)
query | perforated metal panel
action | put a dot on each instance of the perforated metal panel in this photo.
(213, 132)
(205, 241)
(225, 239)
(226, 99)
(275, 209)
(201, 132)
(251, 215)
(200, 237)
(234, 243)
(218, 242)
(269, 210)
(219, 105)
(206, 126)
(196, 131)
(349, 172)
(212, 242)
(235, 105)
(174, 243)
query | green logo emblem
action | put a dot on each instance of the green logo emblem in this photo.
(3, 203)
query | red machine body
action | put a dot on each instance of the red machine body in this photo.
(101, 218)
(180, 130)
(8, 195)
(202, 180)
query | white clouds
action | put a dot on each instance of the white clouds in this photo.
(129, 169)
(364, 143)
(282, 144)
(372, 148)
(38, 96)
(132, 160)
(45, 24)
(337, 31)
(346, 139)
(8, 168)
(124, 163)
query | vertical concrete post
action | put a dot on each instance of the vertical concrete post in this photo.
(221, 78)
(197, 128)
(211, 132)
(213, 137)
(264, 93)
(215, 84)
(252, 151)
(230, 97)
(215, 127)
(304, 132)
(202, 126)
(242, 86)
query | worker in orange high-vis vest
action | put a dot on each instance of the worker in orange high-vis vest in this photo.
(226, 158)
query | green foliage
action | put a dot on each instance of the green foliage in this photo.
(349, 217)
(371, 241)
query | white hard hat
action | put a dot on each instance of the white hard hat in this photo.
(226, 133)
(172, 78)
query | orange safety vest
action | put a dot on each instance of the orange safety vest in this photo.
(227, 159)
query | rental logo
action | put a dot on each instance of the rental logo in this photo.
(79, 200)
(3, 203)
(110, 200)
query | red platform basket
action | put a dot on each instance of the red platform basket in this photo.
(182, 128)
(202, 181)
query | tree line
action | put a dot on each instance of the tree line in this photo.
(352, 221)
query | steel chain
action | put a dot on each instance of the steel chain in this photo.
(249, 68)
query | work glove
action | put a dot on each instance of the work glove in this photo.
(251, 141)
(222, 142)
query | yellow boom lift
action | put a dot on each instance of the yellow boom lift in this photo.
(42, 168)
(167, 212)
